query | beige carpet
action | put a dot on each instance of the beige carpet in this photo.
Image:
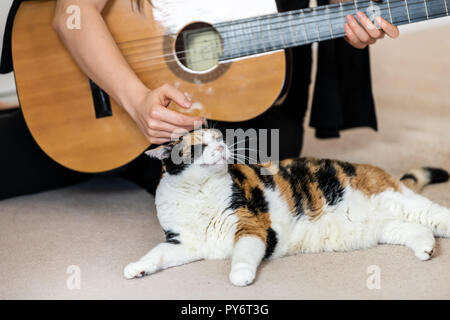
(102, 225)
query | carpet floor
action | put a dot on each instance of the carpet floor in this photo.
(102, 225)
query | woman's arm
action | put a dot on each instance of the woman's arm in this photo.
(95, 51)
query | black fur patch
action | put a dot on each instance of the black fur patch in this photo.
(409, 176)
(267, 180)
(329, 183)
(238, 199)
(170, 237)
(348, 168)
(257, 202)
(299, 177)
(236, 174)
(271, 242)
(186, 159)
(173, 168)
(437, 175)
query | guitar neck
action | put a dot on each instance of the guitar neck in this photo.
(269, 33)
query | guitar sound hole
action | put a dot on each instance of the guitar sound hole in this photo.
(198, 47)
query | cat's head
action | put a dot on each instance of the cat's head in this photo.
(202, 149)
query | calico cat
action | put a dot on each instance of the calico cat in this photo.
(210, 209)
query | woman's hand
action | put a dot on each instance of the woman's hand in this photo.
(112, 73)
(158, 123)
(363, 33)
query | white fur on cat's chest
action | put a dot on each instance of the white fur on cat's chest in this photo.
(201, 210)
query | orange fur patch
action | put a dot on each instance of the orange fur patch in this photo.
(317, 201)
(250, 224)
(285, 189)
(372, 180)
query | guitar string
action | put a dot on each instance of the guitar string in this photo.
(299, 11)
(361, 5)
(401, 4)
(240, 47)
(282, 27)
(267, 17)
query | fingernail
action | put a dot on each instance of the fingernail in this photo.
(187, 104)
(360, 14)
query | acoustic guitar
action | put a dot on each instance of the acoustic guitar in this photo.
(227, 56)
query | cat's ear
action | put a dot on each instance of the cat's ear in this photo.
(162, 152)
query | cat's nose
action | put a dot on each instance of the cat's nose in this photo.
(219, 148)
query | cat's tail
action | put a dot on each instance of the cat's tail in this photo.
(419, 178)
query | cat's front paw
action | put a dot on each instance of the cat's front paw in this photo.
(425, 250)
(242, 275)
(133, 270)
(138, 270)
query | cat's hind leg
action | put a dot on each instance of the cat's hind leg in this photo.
(163, 256)
(413, 207)
(415, 236)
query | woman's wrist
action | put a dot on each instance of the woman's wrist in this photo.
(133, 96)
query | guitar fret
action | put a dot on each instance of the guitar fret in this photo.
(294, 34)
(436, 9)
(244, 40)
(342, 23)
(446, 7)
(236, 44)
(399, 14)
(329, 22)
(271, 36)
(418, 10)
(258, 19)
(389, 9)
(356, 5)
(426, 9)
(304, 25)
(283, 39)
(316, 23)
(407, 11)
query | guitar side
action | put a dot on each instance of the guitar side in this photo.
(57, 101)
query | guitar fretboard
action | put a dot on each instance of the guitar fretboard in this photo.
(273, 32)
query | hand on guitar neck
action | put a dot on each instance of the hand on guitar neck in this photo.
(362, 33)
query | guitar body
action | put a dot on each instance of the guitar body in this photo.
(57, 98)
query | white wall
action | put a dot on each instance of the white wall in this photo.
(7, 86)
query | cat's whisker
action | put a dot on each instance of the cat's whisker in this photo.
(248, 159)
(253, 161)
(237, 159)
(244, 149)
(250, 139)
